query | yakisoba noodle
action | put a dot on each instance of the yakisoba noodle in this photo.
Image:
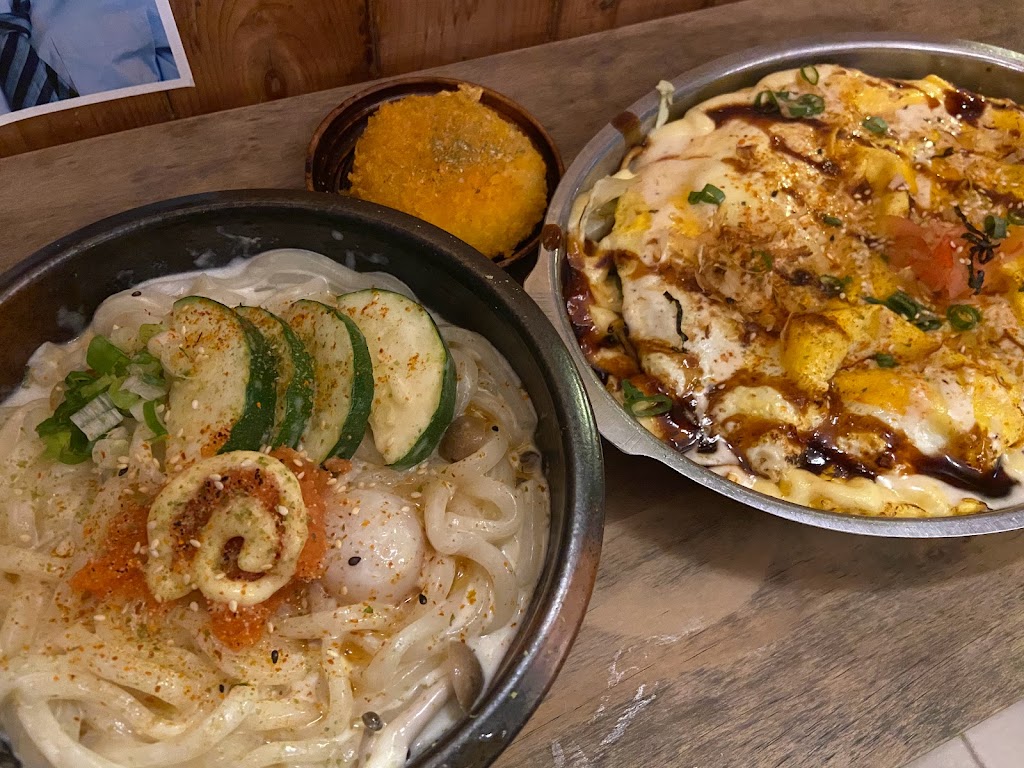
(362, 680)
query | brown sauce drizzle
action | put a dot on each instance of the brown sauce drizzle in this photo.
(995, 483)
(578, 300)
(628, 125)
(551, 237)
(965, 105)
(758, 117)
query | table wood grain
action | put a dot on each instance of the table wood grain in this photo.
(717, 635)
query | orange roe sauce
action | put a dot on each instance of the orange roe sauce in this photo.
(117, 573)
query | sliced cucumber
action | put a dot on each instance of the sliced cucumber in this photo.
(294, 376)
(414, 376)
(342, 375)
(222, 397)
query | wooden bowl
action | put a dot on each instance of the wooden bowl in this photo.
(332, 148)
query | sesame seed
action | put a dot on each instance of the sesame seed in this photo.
(233, 606)
(25, 538)
(407, 508)
(219, 485)
(282, 511)
(297, 462)
(195, 543)
(99, 617)
(193, 606)
(195, 405)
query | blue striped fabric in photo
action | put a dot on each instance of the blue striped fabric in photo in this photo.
(25, 79)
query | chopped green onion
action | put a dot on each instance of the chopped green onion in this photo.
(103, 357)
(962, 317)
(1016, 218)
(710, 194)
(641, 405)
(875, 124)
(152, 420)
(810, 74)
(76, 379)
(808, 105)
(102, 384)
(123, 398)
(884, 360)
(767, 101)
(832, 221)
(995, 226)
(67, 445)
(97, 417)
(906, 307)
(145, 386)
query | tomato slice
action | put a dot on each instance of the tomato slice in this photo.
(929, 251)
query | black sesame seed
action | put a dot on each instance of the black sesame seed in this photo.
(136, 294)
(221, 686)
(122, 471)
(274, 656)
(423, 599)
(372, 721)
(494, 428)
(354, 560)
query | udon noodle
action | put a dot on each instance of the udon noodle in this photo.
(362, 680)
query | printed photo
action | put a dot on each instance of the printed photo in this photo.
(59, 54)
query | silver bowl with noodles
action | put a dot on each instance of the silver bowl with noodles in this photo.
(980, 68)
(210, 230)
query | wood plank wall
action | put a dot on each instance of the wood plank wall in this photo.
(249, 51)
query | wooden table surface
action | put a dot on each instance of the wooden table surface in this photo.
(717, 635)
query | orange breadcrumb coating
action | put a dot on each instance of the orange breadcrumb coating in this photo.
(452, 161)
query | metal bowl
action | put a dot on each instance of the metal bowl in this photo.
(49, 297)
(981, 68)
